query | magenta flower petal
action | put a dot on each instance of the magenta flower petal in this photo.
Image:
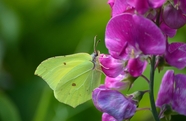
(113, 103)
(107, 117)
(118, 7)
(111, 2)
(116, 83)
(183, 6)
(136, 66)
(179, 97)
(156, 3)
(136, 30)
(172, 92)
(141, 6)
(176, 55)
(165, 94)
(95, 93)
(110, 66)
(173, 17)
(167, 30)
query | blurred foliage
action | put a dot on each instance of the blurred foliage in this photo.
(34, 30)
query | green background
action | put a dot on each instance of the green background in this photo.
(34, 30)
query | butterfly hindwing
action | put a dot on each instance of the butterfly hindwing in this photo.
(76, 87)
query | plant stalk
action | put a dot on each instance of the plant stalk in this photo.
(151, 89)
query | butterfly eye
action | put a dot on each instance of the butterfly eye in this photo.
(94, 55)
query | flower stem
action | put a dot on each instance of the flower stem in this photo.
(151, 89)
(143, 76)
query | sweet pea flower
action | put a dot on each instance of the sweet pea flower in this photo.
(139, 6)
(131, 34)
(110, 66)
(118, 6)
(166, 89)
(117, 83)
(130, 37)
(136, 66)
(107, 117)
(176, 55)
(156, 3)
(113, 103)
(117, 69)
(111, 2)
(179, 96)
(142, 6)
(174, 15)
(172, 92)
(182, 4)
(167, 30)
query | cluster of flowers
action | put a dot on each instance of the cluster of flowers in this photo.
(138, 30)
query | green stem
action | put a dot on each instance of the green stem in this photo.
(146, 79)
(151, 89)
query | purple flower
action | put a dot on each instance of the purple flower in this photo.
(182, 4)
(116, 69)
(141, 6)
(179, 95)
(167, 30)
(172, 92)
(165, 93)
(176, 55)
(136, 66)
(134, 33)
(113, 103)
(156, 3)
(111, 2)
(130, 38)
(117, 83)
(118, 6)
(107, 117)
(174, 17)
(110, 66)
(131, 6)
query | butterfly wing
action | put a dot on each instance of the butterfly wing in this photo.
(53, 69)
(76, 87)
(72, 77)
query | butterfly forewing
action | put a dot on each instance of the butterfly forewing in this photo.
(53, 69)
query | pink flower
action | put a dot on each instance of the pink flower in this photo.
(135, 33)
(176, 55)
(113, 103)
(107, 117)
(139, 6)
(136, 66)
(110, 66)
(117, 83)
(172, 92)
(175, 17)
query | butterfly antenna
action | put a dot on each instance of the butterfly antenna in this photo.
(95, 45)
